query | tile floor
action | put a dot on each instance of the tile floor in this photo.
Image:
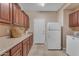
(41, 50)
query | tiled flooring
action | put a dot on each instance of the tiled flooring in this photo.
(41, 50)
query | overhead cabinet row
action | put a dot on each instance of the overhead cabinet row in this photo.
(74, 19)
(11, 13)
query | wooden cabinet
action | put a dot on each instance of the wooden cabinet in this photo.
(21, 49)
(73, 19)
(25, 47)
(25, 20)
(17, 50)
(30, 41)
(27, 44)
(6, 12)
(12, 13)
(78, 17)
(15, 14)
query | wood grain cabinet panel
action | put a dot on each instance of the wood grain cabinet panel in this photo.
(78, 18)
(12, 13)
(17, 50)
(25, 48)
(22, 18)
(73, 19)
(16, 14)
(21, 49)
(26, 21)
(5, 12)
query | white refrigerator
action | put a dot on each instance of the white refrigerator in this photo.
(53, 36)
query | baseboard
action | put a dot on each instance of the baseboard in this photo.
(54, 49)
(39, 43)
(64, 49)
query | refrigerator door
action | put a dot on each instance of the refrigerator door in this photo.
(54, 40)
(53, 27)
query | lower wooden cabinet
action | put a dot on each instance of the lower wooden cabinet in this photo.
(25, 47)
(17, 50)
(21, 49)
(18, 53)
(27, 44)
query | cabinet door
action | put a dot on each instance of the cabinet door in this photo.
(15, 14)
(23, 18)
(71, 20)
(25, 49)
(18, 52)
(5, 11)
(78, 18)
(75, 19)
(26, 22)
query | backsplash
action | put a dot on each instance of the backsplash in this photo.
(4, 29)
(75, 28)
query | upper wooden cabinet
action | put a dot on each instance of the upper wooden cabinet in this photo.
(73, 19)
(22, 18)
(26, 23)
(25, 20)
(6, 12)
(12, 13)
(16, 14)
(78, 17)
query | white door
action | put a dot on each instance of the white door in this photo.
(54, 40)
(39, 31)
(53, 36)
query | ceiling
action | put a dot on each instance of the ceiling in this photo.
(73, 6)
(38, 7)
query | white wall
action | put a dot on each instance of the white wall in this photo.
(63, 20)
(47, 15)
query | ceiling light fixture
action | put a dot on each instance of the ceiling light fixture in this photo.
(42, 4)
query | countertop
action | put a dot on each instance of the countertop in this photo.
(7, 43)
